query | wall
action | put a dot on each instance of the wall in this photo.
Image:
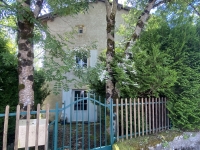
(94, 29)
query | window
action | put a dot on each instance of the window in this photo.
(78, 95)
(81, 62)
(80, 29)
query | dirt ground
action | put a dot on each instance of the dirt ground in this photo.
(82, 136)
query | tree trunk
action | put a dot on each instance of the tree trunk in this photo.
(110, 53)
(111, 93)
(25, 51)
(140, 23)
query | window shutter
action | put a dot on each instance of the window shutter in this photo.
(93, 57)
(84, 29)
(66, 96)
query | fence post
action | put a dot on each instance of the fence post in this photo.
(46, 125)
(27, 127)
(5, 132)
(37, 126)
(111, 123)
(117, 119)
(17, 127)
(56, 128)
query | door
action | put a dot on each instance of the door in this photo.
(80, 108)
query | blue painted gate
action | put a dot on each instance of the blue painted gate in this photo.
(84, 134)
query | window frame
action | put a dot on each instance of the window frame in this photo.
(81, 62)
(82, 105)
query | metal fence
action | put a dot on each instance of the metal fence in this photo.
(137, 117)
(126, 119)
(62, 134)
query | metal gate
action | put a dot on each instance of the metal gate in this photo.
(81, 133)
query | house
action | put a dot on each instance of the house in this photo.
(91, 26)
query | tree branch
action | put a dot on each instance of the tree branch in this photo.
(140, 23)
(114, 6)
(4, 2)
(108, 10)
(197, 12)
(160, 3)
(38, 8)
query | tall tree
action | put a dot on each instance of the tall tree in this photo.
(9, 84)
(27, 12)
(110, 18)
(111, 90)
(25, 50)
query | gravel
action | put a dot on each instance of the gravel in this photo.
(187, 141)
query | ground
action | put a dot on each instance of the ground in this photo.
(161, 141)
(83, 136)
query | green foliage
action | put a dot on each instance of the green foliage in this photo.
(9, 85)
(163, 62)
(180, 39)
(10, 11)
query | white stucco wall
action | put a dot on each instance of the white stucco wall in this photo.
(94, 22)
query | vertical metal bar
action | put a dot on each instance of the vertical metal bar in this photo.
(100, 120)
(5, 130)
(70, 126)
(159, 113)
(122, 122)
(168, 121)
(94, 122)
(149, 116)
(77, 109)
(135, 129)
(165, 114)
(46, 127)
(117, 117)
(142, 104)
(146, 116)
(105, 123)
(126, 118)
(153, 115)
(56, 128)
(27, 127)
(17, 127)
(131, 124)
(83, 130)
(156, 115)
(64, 127)
(89, 121)
(37, 127)
(111, 122)
(52, 145)
(162, 113)
(138, 117)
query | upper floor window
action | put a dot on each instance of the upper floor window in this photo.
(81, 62)
(80, 29)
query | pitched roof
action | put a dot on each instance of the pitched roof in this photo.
(51, 16)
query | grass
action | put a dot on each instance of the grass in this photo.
(143, 142)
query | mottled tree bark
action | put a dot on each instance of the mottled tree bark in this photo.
(25, 51)
(110, 18)
(141, 22)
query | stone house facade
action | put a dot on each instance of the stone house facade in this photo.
(91, 26)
